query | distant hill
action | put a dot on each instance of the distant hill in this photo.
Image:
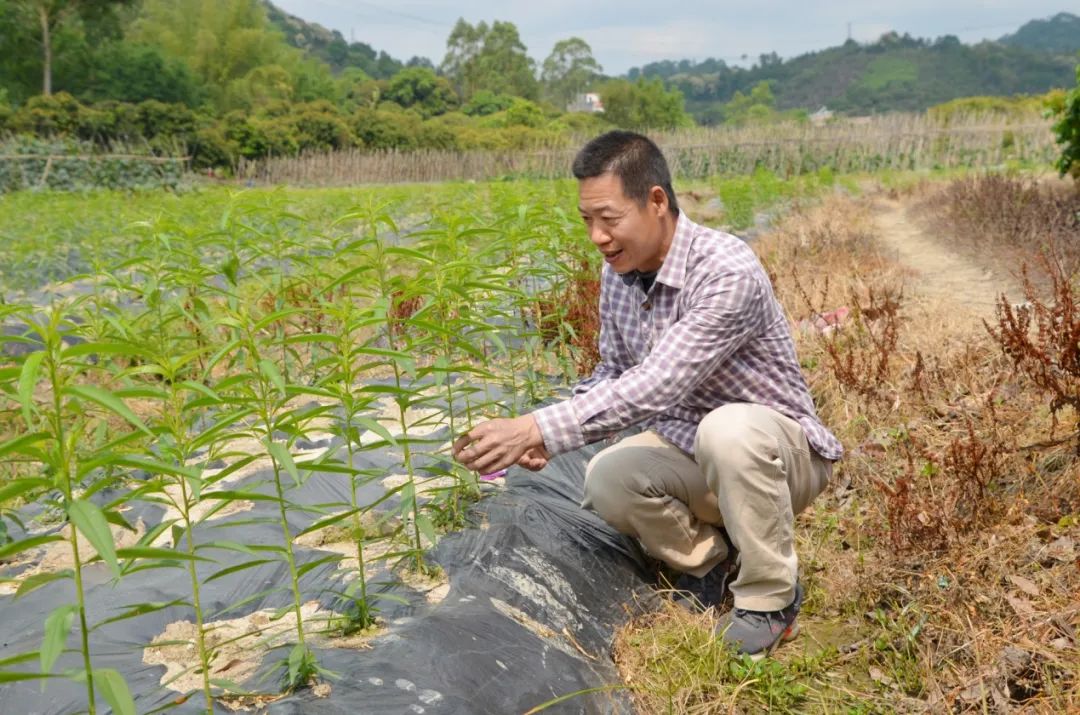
(896, 73)
(330, 47)
(1060, 33)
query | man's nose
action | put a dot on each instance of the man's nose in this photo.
(598, 235)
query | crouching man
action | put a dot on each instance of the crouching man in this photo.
(695, 348)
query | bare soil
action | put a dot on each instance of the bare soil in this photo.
(937, 272)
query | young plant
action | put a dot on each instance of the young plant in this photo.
(68, 435)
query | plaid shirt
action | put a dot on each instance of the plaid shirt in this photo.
(708, 332)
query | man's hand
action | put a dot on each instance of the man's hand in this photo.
(500, 443)
(535, 459)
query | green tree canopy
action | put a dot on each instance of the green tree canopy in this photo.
(752, 107)
(231, 47)
(48, 17)
(489, 57)
(569, 70)
(644, 104)
(421, 88)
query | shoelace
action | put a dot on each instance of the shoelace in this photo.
(755, 617)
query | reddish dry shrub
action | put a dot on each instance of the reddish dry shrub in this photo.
(402, 307)
(1042, 337)
(572, 314)
(859, 349)
(944, 493)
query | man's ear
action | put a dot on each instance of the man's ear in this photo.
(658, 200)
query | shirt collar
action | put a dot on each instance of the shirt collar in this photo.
(673, 270)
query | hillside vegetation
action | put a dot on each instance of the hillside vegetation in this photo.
(895, 73)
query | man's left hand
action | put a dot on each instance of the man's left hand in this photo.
(497, 444)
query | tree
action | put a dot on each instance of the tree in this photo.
(421, 88)
(50, 15)
(133, 72)
(463, 46)
(569, 70)
(749, 108)
(489, 57)
(232, 48)
(1067, 129)
(644, 104)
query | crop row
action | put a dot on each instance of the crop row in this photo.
(207, 348)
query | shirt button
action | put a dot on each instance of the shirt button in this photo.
(647, 305)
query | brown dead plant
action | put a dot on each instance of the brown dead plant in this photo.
(1042, 338)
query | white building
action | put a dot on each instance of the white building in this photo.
(587, 102)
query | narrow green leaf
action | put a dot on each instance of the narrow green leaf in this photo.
(154, 466)
(270, 371)
(234, 495)
(7, 676)
(427, 529)
(329, 521)
(27, 382)
(20, 658)
(227, 546)
(101, 348)
(281, 453)
(376, 427)
(271, 318)
(200, 388)
(57, 628)
(107, 400)
(410, 253)
(17, 547)
(21, 486)
(237, 568)
(139, 609)
(332, 558)
(20, 443)
(91, 523)
(153, 552)
(32, 583)
(115, 691)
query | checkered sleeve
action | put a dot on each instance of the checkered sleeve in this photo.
(723, 313)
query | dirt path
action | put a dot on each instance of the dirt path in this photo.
(940, 274)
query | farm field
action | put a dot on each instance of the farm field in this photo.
(221, 390)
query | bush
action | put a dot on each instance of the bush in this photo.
(210, 148)
(318, 126)
(56, 115)
(421, 88)
(486, 102)
(257, 137)
(387, 129)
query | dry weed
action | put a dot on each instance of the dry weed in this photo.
(944, 564)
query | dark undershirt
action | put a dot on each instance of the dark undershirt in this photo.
(647, 280)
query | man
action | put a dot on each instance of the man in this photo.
(696, 349)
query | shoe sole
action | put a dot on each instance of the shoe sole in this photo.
(789, 634)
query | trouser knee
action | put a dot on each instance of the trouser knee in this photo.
(611, 484)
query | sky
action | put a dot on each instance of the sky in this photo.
(629, 33)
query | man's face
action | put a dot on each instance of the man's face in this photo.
(630, 236)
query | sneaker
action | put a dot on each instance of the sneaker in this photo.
(758, 633)
(709, 591)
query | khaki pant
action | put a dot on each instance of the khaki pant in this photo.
(754, 471)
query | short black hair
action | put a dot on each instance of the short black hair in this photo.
(632, 157)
